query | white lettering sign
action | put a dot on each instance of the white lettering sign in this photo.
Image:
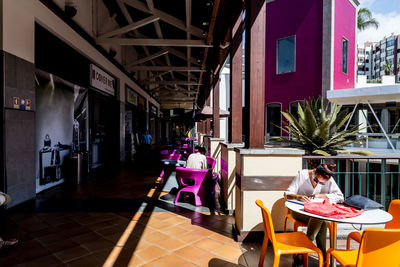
(101, 80)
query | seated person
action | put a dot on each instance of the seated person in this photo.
(4, 200)
(315, 183)
(198, 159)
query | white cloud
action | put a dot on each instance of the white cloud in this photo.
(388, 24)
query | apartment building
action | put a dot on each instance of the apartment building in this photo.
(381, 58)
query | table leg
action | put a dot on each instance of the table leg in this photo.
(333, 241)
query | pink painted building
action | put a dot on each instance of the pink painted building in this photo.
(310, 49)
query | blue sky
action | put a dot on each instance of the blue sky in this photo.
(381, 6)
(387, 12)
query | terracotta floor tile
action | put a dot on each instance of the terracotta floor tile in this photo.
(224, 239)
(204, 260)
(207, 244)
(203, 231)
(97, 226)
(228, 252)
(169, 261)
(176, 220)
(190, 253)
(174, 231)
(155, 237)
(189, 264)
(158, 225)
(98, 244)
(190, 237)
(86, 261)
(61, 245)
(71, 253)
(108, 231)
(151, 253)
(49, 239)
(136, 245)
(164, 215)
(86, 238)
(49, 260)
(171, 244)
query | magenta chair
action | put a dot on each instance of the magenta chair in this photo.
(211, 162)
(175, 156)
(185, 146)
(197, 175)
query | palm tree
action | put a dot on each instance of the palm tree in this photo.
(365, 19)
(318, 131)
(388, 68)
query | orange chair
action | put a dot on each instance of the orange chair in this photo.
(379, 247)
(297, 224)
(394, 210)
(285, 243)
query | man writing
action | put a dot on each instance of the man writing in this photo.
(198, 159)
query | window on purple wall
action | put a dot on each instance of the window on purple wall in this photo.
(345, 55)
(274, 121)
(286, 52)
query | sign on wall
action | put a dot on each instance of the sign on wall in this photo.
(102, 80)
(142, 102)
(153, 109)
(131, 96)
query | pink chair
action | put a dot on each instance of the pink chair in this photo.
(211, 162)
(175, 156)
(197, 175)
(185, 146)
(164, 152)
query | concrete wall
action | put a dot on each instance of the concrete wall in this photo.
(19, 129)
(304, 20)
(344, 27)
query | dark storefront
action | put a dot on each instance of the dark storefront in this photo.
(78, 112)
(135, 121)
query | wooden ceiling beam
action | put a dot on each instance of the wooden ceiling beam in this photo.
(164, 17)
(131, 27)
(153, 42)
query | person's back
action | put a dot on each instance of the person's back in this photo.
(197, 160)
(147, 138)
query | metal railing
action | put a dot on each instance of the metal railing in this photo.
(375, 177)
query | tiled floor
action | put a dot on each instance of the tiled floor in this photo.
(117, 221)
(123, 220)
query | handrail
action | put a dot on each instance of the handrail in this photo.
(344, 157)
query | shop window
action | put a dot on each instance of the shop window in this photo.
(345, 55)
(286, 50)
(274, 119)
(293, 108)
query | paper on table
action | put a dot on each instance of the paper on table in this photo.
(317, 199)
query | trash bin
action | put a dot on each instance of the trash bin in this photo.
(81, 168)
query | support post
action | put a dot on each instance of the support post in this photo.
(235, 118)
(216, 108)
(255, 73)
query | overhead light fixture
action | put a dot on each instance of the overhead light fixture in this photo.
(70, 9)
(112, 52)
(205, 23)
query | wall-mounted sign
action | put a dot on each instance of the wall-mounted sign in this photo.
(101, 80)
(131, 96)
(27, 104)
(142, 102)
(153, 109)
(16, 102)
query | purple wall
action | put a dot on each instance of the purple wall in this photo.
(304, 20)
(345, 23)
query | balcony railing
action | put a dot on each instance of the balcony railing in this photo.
(374, 177)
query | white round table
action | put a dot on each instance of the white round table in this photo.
(375, 216)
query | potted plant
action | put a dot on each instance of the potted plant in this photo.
(319, 131)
